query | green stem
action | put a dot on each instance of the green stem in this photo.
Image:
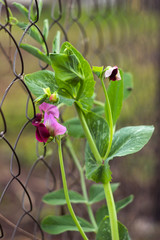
(99, 103)
(110, 122)
(66, 191)
(91, 142)
(83, 185)
(112, 211)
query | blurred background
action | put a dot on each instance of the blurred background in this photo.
(107, 32)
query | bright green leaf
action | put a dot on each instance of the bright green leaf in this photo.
(45, 28)
(21, 8)
(97, 70)
(104, 231)
(56, 43)
(96, 192)
(103, 211)
(58, 197)
(32, 31)
(115, 95)
(36, 52)
(128, 84)
(73, 74)
(98, 110)
(74, 128)
(130, 140)
(60, 224)
(44, 79)
(100, 134)
(40, 5)
(123, 203)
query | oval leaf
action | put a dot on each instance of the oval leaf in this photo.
(74, 128)
(104, 231)
(130, 140)
(44, 79)
(60, 224)
(36, 52)
(128, 85)
(103, 211)
(115, 95)
(96, 192)
(74, 74)
(100, 133)
(58, 197)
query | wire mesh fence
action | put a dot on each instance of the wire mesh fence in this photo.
(106, 33)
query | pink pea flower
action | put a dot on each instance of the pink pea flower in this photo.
(112, 73)
(49, 127)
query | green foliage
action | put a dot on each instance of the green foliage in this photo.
(103, 211)
(60, 224)
(96, 192)
(45, 28)
(73, 80)
(104, 231)
(58, 197)
(98, 71)
(97, 172)
(130, 140)
(128, 85)
(56, 43)
(44, 79)
(36, 52)
(32, 31)
(21, 8)
(74, 75)
(115, 95)
(74, 128)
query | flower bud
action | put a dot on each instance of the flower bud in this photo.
(54, 98)
(41, 99)
(47, 91)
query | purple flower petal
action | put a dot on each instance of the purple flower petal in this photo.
(42, 133)
(36, 121)
(113, 73)
(53, 126)
(49, 109)
(59, 129)
(108, 72)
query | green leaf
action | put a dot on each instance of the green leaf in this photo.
(56, 43)
(74, 128)
(97, 70)
(130, 140)
(38, 80)
(128, 85)
(100, 134)
(40, 5)
(115, 95)
(44, 79)
(104, 231)
(123, 203)
(45, 28)
(67, 72)
(60, 224)
(96, 192)
(103, 211)
(58, 197)
(22, 9)
(32, 31)
(73, 74)
(98, 110)
(36, 52)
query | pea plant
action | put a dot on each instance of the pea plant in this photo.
(71, 84)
